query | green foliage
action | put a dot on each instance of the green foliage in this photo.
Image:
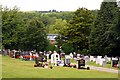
(24, 31)
(79, 29)
(103, 38)
(51, 47)
(0, 26)
(67, 48)
(55, 21)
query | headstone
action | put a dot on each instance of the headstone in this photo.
(98, 59)
(78, 55)
(104, 63)
(95, 58)
(114, 63)
(87, 59)
(71, 55)
(54, 58)
(67, 60)
(17, 54)
(91, 58)
(47, 56)
(31, 56)
(106, 58)
(81, 63)
(74, 55)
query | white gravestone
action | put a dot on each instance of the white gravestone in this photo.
(98, 60)
(87, 59)
(78, 55)
(30, 56)
(71, 55)
(47, 56)
(91, 58)
(114, 58)
(54, 58)
(94, 59)
(102, 62)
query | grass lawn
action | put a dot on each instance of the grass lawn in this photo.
(107, 65)
(16, 68)
(0, 67)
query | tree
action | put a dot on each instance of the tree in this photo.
(59, 26)
(1, 26)
(10, 22)
(35, 35)
(78, 30)
(103, 36)
(22, 30)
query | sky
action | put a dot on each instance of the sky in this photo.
(45, 5)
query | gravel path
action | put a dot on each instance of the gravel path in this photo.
(103, 69)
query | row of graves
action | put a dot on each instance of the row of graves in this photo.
(50, 59)
(100, 60)
(103, 61)
(55, 59)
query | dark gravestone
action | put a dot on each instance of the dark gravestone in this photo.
(81, 63)
(17, 55)
(50, 56)
(114, 63)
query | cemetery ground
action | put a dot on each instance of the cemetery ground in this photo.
(16, 68)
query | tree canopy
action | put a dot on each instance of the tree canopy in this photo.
(104, 35)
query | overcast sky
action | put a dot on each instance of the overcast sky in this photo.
(59, 5)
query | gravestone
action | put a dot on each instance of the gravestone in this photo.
(91, 58)
(78, 55)
(54, 58)
(114, 63)
(98, 59)
(104, 63)
(74, 55)
(31, 54)
(81, 63)
(17, 54)
(67, 60)
(106, 58)
(87, 59)
(71, 55)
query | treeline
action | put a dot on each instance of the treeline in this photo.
(84, 31)
(93, 34)
(28, 30)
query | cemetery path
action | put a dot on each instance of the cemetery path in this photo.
(103, 69)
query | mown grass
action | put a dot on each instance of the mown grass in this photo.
(16, 68)
(107, 65)
(0, 66)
